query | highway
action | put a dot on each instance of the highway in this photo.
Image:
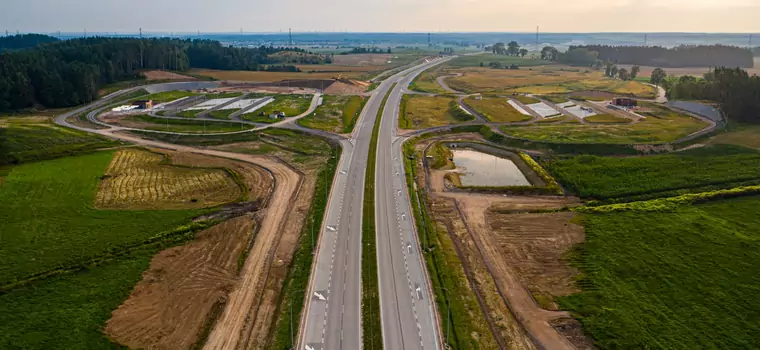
(406, 302)
(332, 317)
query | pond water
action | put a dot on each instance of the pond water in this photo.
(481, 169)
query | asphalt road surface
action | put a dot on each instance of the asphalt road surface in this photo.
(333, 310)
(406, 302)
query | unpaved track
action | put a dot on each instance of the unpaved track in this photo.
(228, 330)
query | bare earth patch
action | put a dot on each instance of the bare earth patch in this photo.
(169, 307)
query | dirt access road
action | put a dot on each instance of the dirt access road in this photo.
(228, 332)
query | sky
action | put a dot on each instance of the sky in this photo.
(726, 16)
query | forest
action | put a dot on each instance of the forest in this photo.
(24, 41)
(736, 92)
(69, 73)
(680, 56)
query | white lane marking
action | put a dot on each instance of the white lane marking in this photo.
(331, 228)
(319, 296)
(308, 347)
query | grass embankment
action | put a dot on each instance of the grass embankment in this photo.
(554, 98)
(496, 110)
(696, 170)
(428, 82)
(336, 114)
(185, 126)
(65, 265)
(223, 114)
(525, 99)
(371, 322)
(420, 112)
(448, 280)
(297, 281)
(168, 96)
(676, 279)
(607, 119)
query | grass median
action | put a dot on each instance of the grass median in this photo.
(371, 323)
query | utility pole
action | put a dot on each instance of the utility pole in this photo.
(290, 36)
(646, 38)
(430, 41)
(750, 42)
(6, 32)
(142, 61)
(536, 38)
(85, 32)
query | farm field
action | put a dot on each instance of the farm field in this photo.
(662, 126)
(140, 179)
(496, 109)
(32, 139)
(178, 125)
(419, 112)
(543, 80)
(476, 60)
(718, 167)
(694, 267)
(41, 200)
(337, 114)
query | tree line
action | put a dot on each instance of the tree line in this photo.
(510, 49)
(679, 56)
(24, 41)
(69, 73)
(361, 50)
(736, 92)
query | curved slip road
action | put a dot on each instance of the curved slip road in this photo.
(332, 317)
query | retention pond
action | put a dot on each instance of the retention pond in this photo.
(477, 169)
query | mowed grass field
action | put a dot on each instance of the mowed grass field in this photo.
(607, 119)
(420, 112)
(31, 140)
(719, 166)
(169, 96)
(683, 279)
(553, 79)
(662, 125)
(427, 82)
(48, 219)
(291, 105)
(140, 179)
(336, 114)
(496, 109)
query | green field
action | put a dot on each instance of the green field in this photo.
(476, 60)
(48, 220)
(190, 113)
(186, 126)
(525, 99)
(496, 109)
(719, 166)
(684, 279)
(26, 142)
(554, 98)
(336, 114)
(420, 112)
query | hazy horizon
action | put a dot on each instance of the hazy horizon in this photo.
(391, 16)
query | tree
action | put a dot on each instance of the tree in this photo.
(499, 49)
(513, 48)
(546, 52)
(578, 57)
(608, 68)
(623, 74)
(481, 64)
(614, 71)
(658, 75)
(635, 72)
(389, 50)
(598, 64)
(523, 52)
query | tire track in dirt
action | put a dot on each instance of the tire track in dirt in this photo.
(228, 332)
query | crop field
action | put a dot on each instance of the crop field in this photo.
(719, 166)
(476, 60)
(496, 109)
(606, 119)
(663, 127)
(48, 220)
(743, 135)
(137, 179)
(336, 114)
(680, 279)
(31, 141)
(291, 105)
(179, 125)
(419, 112)
(543, 80)
(169, 96)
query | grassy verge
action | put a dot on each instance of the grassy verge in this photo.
(606, 119)
(448, 280)
(496, 109)
(371, 323)
(186, 126)
(297, 281)
(526, 99)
